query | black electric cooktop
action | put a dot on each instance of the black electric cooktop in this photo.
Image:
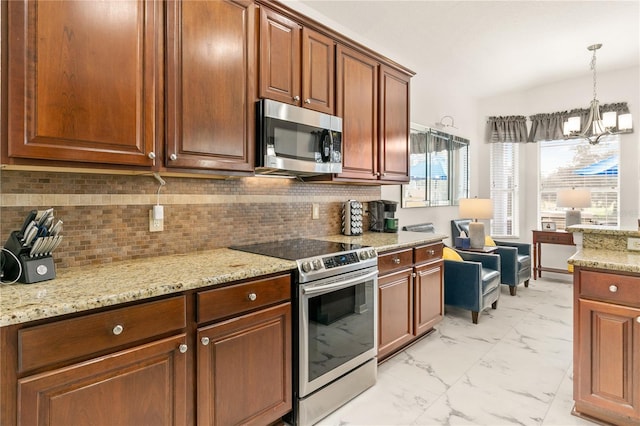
(297, 249)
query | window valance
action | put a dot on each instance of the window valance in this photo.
(512, 128)
(549, 126)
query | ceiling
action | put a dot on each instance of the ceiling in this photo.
(490, 47)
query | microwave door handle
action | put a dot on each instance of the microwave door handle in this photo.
(340, 284)
(325, 152)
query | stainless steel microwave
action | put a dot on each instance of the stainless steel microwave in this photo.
(297, 141)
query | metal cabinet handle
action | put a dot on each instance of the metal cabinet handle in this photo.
(173, 157)
(378, 174)
(307, 101)
(613, 288)
(183, 348)
(118, 329)
(152, 155)
(637, 319)
(414, 274)
(296, 98)
(252, 296)
(396, 261)
(204, 341)
(431, 252)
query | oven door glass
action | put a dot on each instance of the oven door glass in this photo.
(339, 332)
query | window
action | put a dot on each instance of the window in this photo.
(439, 169)
(504, 189)
(575, 163)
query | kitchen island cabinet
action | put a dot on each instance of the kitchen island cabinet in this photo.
(607, 345)
(411, 297)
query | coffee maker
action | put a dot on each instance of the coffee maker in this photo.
(382, 216)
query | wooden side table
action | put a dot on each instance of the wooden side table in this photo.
(548, 237)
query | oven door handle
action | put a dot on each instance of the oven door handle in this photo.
(340, 284)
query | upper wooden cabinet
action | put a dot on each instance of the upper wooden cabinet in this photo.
(85, 81)
(357, 104)
(211, 85)
(296, 63)
(394, 125)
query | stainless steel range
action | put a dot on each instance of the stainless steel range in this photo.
(335, 332)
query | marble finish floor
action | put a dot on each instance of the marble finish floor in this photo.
(513, 368)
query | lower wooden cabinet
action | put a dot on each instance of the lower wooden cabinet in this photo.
(144, 385)
(607, 346)
(410, 296)
(244, 369)
(218, 356)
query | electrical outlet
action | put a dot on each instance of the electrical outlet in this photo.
(633, 243)
(315, 211)
(155, 225)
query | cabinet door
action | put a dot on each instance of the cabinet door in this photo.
(606, 375)
(279, 58)
(428, 297)
(211, 85)
(244, 369)
(357, 104)
(145, 385)
(85, 80)
(394, 125)
(395, 301)
(318, 71)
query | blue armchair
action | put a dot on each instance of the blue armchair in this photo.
(515, 258)
(473, 283)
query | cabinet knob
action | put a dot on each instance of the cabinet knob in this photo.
(173, 157)
(637, 319)
(296, 98)
(613, 288)
(183, 348)
(204, 341)
(378, 174)
(118, 329)
(152, 155)
(414, 274)
(307, 101)
(396, 261)
(431, 252)
(252, 296)
(384, 174)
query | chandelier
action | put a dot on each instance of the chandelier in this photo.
(596, 125)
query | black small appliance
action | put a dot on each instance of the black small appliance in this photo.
(382, 216)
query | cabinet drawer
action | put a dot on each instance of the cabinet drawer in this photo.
(80, 337)
(555, 237)
(427, 253)
(236, 299)
(621, 289)
(395, 260)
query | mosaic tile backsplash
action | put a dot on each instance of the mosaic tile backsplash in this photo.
(106, 217)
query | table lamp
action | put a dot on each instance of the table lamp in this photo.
(576, 199)
(476, 208)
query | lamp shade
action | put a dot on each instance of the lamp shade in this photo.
(476, 208)
(574, 198)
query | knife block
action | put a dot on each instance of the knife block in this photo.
(34, 269)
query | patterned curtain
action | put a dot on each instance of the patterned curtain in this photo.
(507, 129)
(549, 126)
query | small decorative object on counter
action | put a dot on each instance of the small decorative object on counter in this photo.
(352, 218)
(32, 246)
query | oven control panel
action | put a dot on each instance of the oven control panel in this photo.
(339, 260)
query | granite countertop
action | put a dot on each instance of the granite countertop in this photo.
(604, 230)
(84, 288)
(617, 261)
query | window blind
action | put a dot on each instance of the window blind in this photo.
(504, 189)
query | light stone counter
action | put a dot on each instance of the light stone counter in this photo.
(80, 289)
(85, 288)
(613, 260)
(383, 241)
